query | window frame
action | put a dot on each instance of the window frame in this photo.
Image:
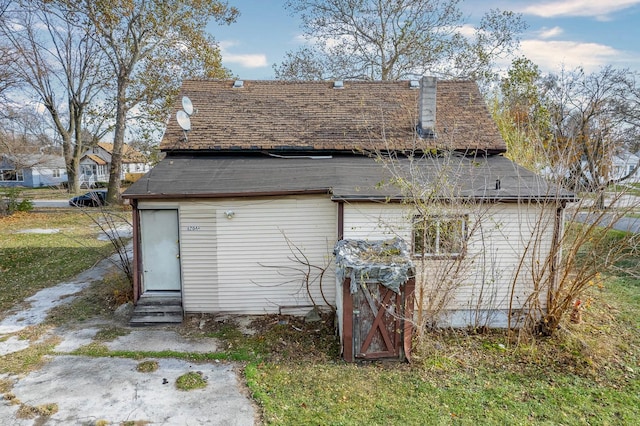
(19, 175)
(421, 222)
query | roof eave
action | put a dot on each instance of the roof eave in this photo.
(183, 195)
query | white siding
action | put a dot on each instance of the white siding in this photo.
(506, 249)
(244, 264)
(376, 221)
(198, 255)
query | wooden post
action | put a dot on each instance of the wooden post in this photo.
(347, 321)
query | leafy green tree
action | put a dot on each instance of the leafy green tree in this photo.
(151, 46)
(395, 39)
(522, 116)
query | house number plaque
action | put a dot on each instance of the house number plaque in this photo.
(193, 228)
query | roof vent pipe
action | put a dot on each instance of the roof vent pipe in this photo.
(427, 107)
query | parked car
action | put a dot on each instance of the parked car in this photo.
(90, 199)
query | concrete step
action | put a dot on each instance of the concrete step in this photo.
(157, 310)
(160, 300)
(147, 320)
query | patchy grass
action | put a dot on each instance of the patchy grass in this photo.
(588, 373)
(110, 334)
(30, 262)
(30, 412)
(100, 298)
(27, 360)
(276, 338)
(147, 366)
(190, 381)
(47, 193)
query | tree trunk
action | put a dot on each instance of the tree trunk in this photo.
(113, 190)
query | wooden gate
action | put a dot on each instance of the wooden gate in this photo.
(374, 321)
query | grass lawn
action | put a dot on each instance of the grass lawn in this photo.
(32, 261)
(588, 373)
(570, 379)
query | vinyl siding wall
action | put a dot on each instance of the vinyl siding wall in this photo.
(505, 243)
(244, 264)
(198, 257)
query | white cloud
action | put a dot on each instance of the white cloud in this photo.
(550, 32)
(467, 30)
(550, 55)
(247, 60)
(598, 9)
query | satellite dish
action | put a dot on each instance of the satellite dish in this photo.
(187, 106)
(183, 120)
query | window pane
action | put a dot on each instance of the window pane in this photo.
(439, 235)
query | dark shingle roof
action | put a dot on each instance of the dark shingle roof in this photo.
(348, 177)
(285, 116)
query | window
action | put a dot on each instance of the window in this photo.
(435, 236)
(7, 175)
(56, 173)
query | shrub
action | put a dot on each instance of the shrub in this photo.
(10, 201)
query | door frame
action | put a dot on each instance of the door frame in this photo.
(138, 267)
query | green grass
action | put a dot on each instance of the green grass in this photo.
(100, 298)
(147, 366)
(191, 380)
(31, 262)
(587, 374)
(340, 394)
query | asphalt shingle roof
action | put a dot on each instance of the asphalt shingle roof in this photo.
(305, 116)
(348, 177)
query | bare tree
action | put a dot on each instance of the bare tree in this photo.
(8, 79)
(150, 46)
(570, 126)
(593, 119)
(58, 61)
(391, 40)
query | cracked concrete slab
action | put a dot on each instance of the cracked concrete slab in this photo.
(87, 390)
(162, 340)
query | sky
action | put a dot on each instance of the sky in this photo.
(561, 33)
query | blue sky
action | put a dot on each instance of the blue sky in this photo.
(587, 33)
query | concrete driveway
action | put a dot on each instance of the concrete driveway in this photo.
(89, 391)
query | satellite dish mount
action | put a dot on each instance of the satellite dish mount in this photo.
(183, 117)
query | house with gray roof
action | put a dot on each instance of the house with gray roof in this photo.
(32, 170)
(262, 178)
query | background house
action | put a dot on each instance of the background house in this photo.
(624, 164)
(32, 170)
(96, 161)
(243, 213)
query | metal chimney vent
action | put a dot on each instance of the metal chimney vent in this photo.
(427, 107)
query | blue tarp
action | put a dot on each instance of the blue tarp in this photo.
(387, 262)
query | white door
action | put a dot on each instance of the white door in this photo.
(160, 250)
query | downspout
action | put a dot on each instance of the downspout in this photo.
(340, 220)
(136, 251)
